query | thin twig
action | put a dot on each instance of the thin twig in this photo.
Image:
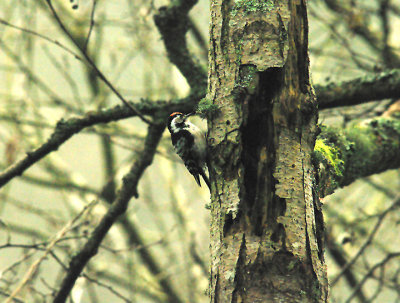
(108, 287)
(117, 208)
(6, 295)
(90, 27)
(340, 258)
(25, 30)
(344, 40)
(94, 66)
(30, 74)
(65, 74)
(370, 272)
(150, 261)
(357, 22)
(65, 129)
(35, 266)
(393, 206)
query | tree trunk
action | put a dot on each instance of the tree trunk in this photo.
(266, 226)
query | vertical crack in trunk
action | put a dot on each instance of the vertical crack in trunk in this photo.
(240, 273)
(258, 154)
(266, 247)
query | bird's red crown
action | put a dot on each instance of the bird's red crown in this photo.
(175, 113)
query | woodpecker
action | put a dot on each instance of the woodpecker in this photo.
(190, 144)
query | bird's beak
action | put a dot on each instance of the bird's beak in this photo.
(189, 114)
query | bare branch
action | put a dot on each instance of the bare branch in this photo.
(388, 258)
(94, 66)
(30, 74)
(28, 31)
(7, 295)
(129, 189)
(384, 85)
(35, 266)
(65, 129)
(173, 22)
(339, 256)
(147, 257)
(357, 22)
(90, 27)
(381, 217)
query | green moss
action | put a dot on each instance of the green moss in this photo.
(327, 154)
(380, 136)
(206, 108)
(387, 131)
(362, 149)
(251, 6)
(329, 159)
(292, 264)
(248, 78)
(316, 290)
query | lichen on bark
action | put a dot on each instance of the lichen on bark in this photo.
(266, 222)
(362, 149)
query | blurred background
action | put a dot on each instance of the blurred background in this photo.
(159, 249)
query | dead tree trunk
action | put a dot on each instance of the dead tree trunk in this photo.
(266, 226)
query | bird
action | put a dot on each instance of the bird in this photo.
(190, 144)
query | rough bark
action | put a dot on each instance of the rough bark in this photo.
(266, 225)
(360, 150)
(384, 85)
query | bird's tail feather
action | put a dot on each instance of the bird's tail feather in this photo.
(203, 174)
(197, 178)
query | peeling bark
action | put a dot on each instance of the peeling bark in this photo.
(266, 225)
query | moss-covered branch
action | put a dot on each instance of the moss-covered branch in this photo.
(66, 128)
(364, 149)
(365, 89)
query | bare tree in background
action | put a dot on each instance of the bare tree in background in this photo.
(70, 228)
